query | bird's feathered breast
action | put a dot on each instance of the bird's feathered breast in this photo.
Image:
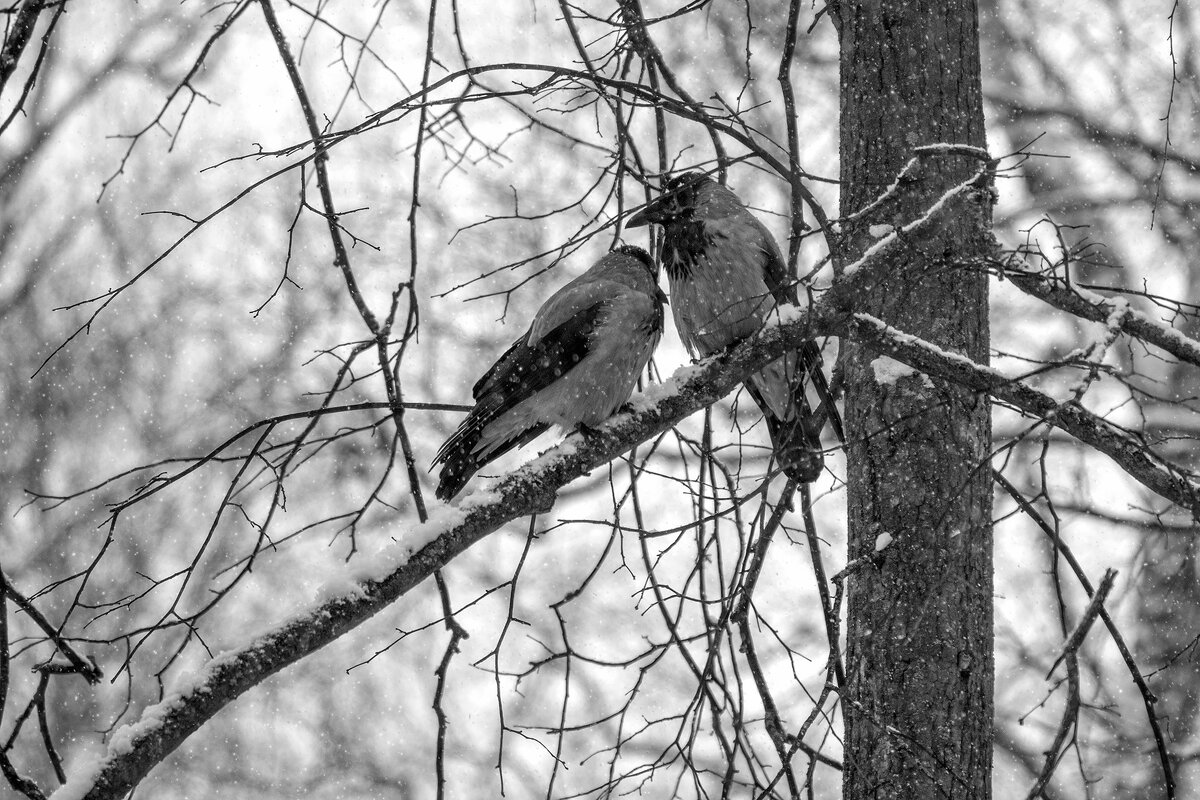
(719, 271)
(684, 243)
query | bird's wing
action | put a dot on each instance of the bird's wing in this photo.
(769, 396)
(783, 288)
(504, 364)
(556, 320)
(775, 272)
(535, 361)
(576, 298)
(526, 368)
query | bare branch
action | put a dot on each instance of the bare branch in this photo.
(20, 31)
(1148, 698)
(529, 490)
(1075, 640)
(1089, 305)
(1124, 447)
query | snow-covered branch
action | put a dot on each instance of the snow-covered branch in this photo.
(1092, 306)
(135, 749)
(1126, 449)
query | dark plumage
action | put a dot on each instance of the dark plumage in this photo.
(577, 364)
(727, 275)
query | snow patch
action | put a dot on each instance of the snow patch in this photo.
(889, 370)
(81, 779)
(879, 231)
(339, 582)
(655, 393)
(783, 314)
(568, 447)
(442, 519)
(883, 243)
(882, 541)
(1120, 309)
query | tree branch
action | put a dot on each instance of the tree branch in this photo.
(19, 33)
(1131, 454)
(138, 747)
(1086, 304)
(532, 489)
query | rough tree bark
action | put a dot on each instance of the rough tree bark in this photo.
(919, 666)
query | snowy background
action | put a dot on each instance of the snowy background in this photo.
(246, 318)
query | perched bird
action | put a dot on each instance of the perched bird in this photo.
(727, 275)
(575, 366)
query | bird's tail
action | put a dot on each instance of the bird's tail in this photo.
(826, 410)
(797, 450)
(458, 465)
(468, 449)
(795, 426)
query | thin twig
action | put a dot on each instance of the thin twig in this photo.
(90, 672)
(1085, 622)
(1148, 698)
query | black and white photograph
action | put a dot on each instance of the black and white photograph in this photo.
(576, 400)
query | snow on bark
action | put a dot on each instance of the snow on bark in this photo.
(889, 370)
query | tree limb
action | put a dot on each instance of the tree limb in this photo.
(138, 747)
(19, 33)
(532, 489)
(1131, 454)
(1086, 304)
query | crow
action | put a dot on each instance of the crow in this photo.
(727, 275)
(577, 364)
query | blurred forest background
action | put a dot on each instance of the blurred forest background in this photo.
(589, 627)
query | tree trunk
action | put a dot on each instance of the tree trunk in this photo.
(918, 699)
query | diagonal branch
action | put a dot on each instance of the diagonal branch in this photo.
(11, 52)
(1148, 698)
(532, 489)
(341, 258)
(1131, 454)
(1083, 303)
(137, 748)
(20, 31)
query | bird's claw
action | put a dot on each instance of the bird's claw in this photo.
(587, 431)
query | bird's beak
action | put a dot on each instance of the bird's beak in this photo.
(640, 219)
(662, 296)
(655, 211)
